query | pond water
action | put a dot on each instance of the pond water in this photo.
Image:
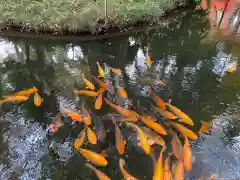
(183, 54)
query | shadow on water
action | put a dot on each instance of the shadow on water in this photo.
(199, 83)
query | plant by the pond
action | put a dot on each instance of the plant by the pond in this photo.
(150, 130)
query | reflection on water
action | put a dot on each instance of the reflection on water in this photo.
(198, 83)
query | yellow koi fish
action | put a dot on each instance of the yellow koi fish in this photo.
(99, 174)
(93, 157)
(166, 114)
(14, 98)
(37, 99)
(86, 93)
(125, 174)
(98, 103)
(159, 102)
(80, 140)
(92, 138)
(184, 131)
(88, 84)
(205, 126)
(87, 120)
(120, 142)
(100, 70)
(153, 125)
(75, 116)
(148, 61)
(186, 119)
(142, 138)
(167, 171)
(187, 155)
(158, 170)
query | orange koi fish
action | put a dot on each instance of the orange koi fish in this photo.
(93, 157)
(87, 120)
(153, 125)
(80, 140)
(187, 155)
(120, 142)
(179, 172)
(92, 138)
(102, 84)
(99, 174)
(205, 126)
(122, 92)
(37, 99)
(142, 138)
(86, 93)
(184, 131)
(125, 174)
(116, 71)
(24, 92)
(75, 116)
(88, 84)
(100, 70)
(98, 103)
(165, 113)
(177, 147)
(158, 170)
(159, 102)
(148, 61)
(152, 137)
(186, 119)
(167, 171)
(14, 98)
(122, 111)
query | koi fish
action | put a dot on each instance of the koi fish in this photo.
(116, 71)
(177, 147)
(125, 174)
(24, 92)
(160, 83)
(186, 119)
(184, 131)
(102, 84)
(152, 137)
(80, 140)
(205, 126)
(93, 157)
(187, 155)
(122, 92)
(100, 130)
(148, 61)
(166, 170)
(92, 138)
(87, 120)
(98, 103)
(159, 102)
(100, 70)
(120, 142)
(37, 99)
(86, 93)
(153, 125)
(75, 116)
(142, 138)
(122, 111)
(165, 113)
(88, 84)
(55, 126)
(179, 172)
(99, 174)
(158, 170)
(14, 98)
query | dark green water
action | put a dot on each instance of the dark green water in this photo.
(194, 67)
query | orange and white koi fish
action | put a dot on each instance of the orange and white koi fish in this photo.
(80, 140)
(101, 83)
(122, 92)
(55, 126)
(179, 172)
(187, 155)
(205, 126)
(153, 125)
(125, 174)
(120, 142)
(24, 92)
(116, 71)
(186, 119)
(100, 70)
(86, 93)
(92, 138)
(167, 174)
(158, 170)
(93, 157)
(37, 99)
(75, 116)
(148, 61)
(177, 147)
(99, 174)
(98, 103)
(159, 102)
(142, 138)
(184, 131)
(165, 113)
(88, 84)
